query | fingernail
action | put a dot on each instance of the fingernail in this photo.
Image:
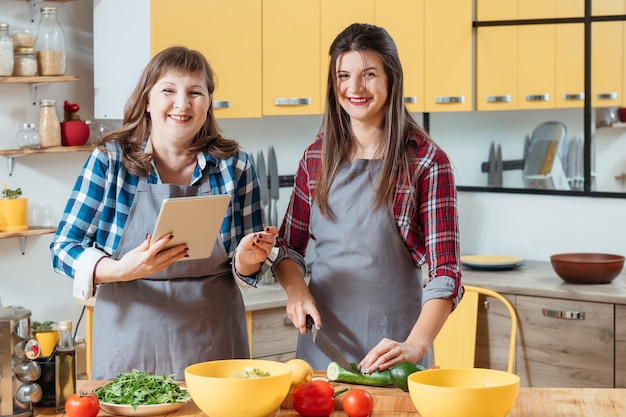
(375, 369)
(187, 256)
(365, 370)
(267, 229)
(171, 236)
(260, 236)
(358, 368)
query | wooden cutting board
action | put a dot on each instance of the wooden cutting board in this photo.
(385, 398)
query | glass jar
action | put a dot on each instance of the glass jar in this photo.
(6, 51)
(28, 136)
(49, 125)
(25, 62)
(50, 44)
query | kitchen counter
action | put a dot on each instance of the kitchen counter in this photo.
(531, 402)
(536, 278)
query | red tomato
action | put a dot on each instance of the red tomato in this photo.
(358, 403)
(82, 405)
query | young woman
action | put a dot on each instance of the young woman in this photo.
(155, 312)
(378, 197)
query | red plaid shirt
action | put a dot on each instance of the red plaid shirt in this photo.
(430, 233)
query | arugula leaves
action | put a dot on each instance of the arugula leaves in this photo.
(140, 388)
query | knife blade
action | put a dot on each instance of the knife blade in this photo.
(274, 191)
(262, 173)
(325, 345)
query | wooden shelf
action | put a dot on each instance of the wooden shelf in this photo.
(32, 231)
(42, 79)
(11, 154)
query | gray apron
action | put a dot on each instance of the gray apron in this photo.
(363, 279)
(191, 312)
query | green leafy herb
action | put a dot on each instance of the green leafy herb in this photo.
(139, 388)
(251, 372)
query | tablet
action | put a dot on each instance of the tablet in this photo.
(195, 221)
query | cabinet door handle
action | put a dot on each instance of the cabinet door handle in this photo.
(448, 100)
(499, 99)
(538, 97)
(607, 96)
(287, 321)
(292, 101)
(410, 99)
(567, 315)
(221, 104)
(577, 96)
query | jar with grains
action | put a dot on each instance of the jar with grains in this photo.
(6, 51)
(25, 62)
(50, 44)
(49, 125)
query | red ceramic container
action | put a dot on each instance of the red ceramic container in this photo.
(74, 133)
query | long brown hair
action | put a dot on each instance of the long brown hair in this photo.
(338, 137)
(136, 123)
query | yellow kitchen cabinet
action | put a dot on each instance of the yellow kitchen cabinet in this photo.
(607, 72)
(536, 66)
(607, 7)
(335, 17)
(404, 20)
(448, 76)
(496, 68)
(536, 9)
(487, 10)
(570, 8)
(291, 58)
(570, 66)
(229, 35)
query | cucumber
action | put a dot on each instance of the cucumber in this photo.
(334, 372)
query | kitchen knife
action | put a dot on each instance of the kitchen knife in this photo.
(274, 190)
(262, 173)
(326, 345)
(499, 167)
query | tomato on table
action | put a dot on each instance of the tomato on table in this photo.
(82, 404)
(358, 403)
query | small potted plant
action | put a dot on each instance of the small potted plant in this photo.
(46, 335)
(13, 210)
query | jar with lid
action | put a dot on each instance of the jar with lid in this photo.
(27, 136)
(49, 125)
(25, 62)
(50, 44)
(6, 51)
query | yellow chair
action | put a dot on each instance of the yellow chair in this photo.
(455, 345)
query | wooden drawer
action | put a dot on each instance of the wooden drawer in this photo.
(273, 335)
(562, 352)
(620, 346)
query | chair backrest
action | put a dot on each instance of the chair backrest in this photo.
(455, 345)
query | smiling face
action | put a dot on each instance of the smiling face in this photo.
(178, 105)
(362, 86)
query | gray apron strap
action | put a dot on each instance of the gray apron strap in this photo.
(364, 280)
(161, 325)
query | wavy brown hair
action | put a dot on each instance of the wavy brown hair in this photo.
(338, 137)
(136, 123)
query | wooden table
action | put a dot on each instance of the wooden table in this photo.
(531, 402)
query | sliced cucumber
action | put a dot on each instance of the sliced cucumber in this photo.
(334, 372)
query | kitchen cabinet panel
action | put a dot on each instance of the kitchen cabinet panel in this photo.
(561, 352)
(229, 35)
(570, 66)
(336, 16)
(607, 7)
(448, 76)
(496, 10)
(492, 333)
(570, 8)
(273, 335)
(404, 20)
(620, 346)
(496, 68)
(607, 74)
(291, 58)
(536, 66)
(536, 9)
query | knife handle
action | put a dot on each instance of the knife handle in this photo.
(309, 322)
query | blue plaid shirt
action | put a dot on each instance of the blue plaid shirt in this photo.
(99, 204)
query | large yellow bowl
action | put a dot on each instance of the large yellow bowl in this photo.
(218, 393)
(471, 392)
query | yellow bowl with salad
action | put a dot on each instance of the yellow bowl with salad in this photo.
(238, 387)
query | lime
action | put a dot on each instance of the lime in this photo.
(400, 373)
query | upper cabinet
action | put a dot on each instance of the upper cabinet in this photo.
(229, 35)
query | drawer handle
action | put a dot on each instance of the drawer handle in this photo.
(221, 104)
(292, 101)
(448, 100)
(499, 99)
(567, 315)
(538, 97)
(607, 96)
(578, 96)
(287, 321)
(410, 99)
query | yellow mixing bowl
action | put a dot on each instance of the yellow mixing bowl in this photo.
(471, 392)
(218, 391)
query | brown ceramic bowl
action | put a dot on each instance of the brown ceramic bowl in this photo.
(587, 268)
